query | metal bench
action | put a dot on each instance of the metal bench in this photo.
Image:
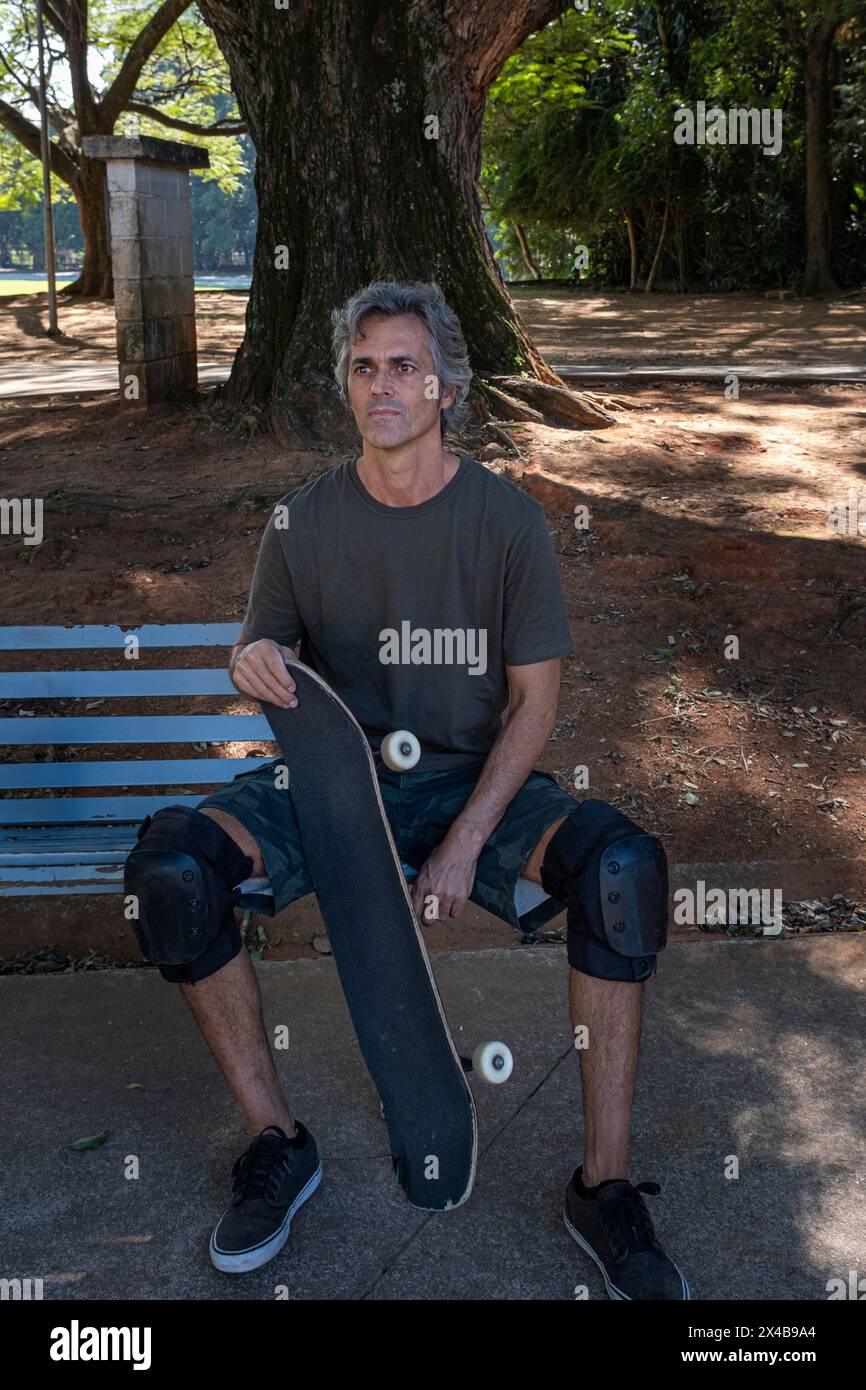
(58, 845)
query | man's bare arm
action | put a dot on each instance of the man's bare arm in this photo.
(531, 717)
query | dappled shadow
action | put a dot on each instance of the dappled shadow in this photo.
(639, 330)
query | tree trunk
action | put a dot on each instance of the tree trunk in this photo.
(651, 278)
(342, 98)
(90, 194)
(525, 252)
(818, 277)
(632, 248)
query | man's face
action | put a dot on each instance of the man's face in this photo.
(392, 386)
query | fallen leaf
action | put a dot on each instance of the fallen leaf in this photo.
(93, 1142)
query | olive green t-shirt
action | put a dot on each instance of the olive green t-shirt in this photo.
(411, 614)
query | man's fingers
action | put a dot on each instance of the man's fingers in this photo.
(262, 687)
(274, 664)
(261, 673)
(274, 696)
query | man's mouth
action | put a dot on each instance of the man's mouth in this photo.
(384, 410)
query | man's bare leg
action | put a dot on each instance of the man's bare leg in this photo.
(611, 1011)
(228, 1009)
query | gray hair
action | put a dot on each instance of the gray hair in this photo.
(444, 337)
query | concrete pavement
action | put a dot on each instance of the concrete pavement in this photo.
(23, 379)
(750, 1050)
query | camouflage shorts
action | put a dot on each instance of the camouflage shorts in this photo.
(420, 807)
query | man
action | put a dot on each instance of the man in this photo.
(411, 538)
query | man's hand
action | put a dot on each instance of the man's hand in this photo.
(259, 669)
(448, 875)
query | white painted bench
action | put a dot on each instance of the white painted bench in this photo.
(77, 844)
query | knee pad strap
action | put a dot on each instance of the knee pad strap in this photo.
(181, 876)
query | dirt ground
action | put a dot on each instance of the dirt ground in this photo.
(611, 330)
(706, 522)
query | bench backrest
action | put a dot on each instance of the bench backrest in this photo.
(126, 682)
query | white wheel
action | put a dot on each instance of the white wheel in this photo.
(492, 1062)
(400, 750)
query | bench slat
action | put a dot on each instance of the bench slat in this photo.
(50, 873)
(151, 635)
(132, 684)
(78, 810)
(65, 837)
(253, 901)
(152, 728)
(25, 860)
(163, 772)
(54, 890)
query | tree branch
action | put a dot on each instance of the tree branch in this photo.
(491, 31)
(119, 94)
(30, 91)
(27, 134)
(143, 109)
(52, 9)
(76, 57)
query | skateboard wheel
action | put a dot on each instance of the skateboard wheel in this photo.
(400, 750)
(492, 1062)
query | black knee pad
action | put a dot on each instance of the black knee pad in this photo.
(613, 879)
(181, 876)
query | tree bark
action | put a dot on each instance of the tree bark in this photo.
(340, 98)
(632, 248)
(89, 188)
(818, 276)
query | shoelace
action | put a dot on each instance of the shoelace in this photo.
(259, 1171)
(626, 1221)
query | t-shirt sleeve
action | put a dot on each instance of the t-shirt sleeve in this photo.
(535, 623)
(271, 609)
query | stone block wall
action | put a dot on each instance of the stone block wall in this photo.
(151, 251)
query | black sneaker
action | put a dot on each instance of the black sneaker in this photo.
(270, 1182)
(615, 1230)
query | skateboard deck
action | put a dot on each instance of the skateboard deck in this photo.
(380, 954)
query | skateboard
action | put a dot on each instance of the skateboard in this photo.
(377, 944)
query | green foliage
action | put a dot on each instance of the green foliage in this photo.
(186, 78)
(225, 223)
(579, 141)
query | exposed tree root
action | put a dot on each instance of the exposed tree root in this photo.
(504, 406)
(557, 403)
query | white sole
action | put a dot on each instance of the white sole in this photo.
(612, 1289)
(242, 1261)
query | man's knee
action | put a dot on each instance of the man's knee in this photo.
(612, 877)
(181, 878)
(241, 836)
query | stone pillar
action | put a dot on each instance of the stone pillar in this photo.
(151, 255)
